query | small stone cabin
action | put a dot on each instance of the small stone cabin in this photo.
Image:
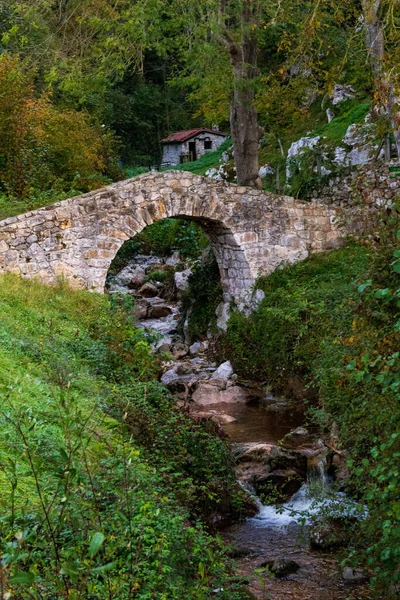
(186, 146)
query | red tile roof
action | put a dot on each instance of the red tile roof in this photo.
(183, 136)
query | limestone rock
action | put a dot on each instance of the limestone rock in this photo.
(182, 280)
(141, 308)
(223, 313)
(342, 93)
(224, 371)
(195, 348)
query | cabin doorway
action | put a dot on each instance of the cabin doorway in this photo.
(192, 151)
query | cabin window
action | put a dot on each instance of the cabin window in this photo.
(207, 144)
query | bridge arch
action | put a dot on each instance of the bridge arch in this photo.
(251, 232)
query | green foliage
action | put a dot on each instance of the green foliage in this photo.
(42, 147)
(90, 507)
(202, 297)
(333, 321)
(303, 304)
(162, 238)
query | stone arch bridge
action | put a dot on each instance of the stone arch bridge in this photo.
(251, 232)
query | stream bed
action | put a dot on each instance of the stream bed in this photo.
(255, 423)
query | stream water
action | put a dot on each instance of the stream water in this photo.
(254, 421)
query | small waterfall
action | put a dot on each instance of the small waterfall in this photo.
(317, 475)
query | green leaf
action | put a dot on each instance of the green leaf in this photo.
(382, 293)
(96, 543)
(103, 568)
(23, 577)
(363, 286)
(396, 267)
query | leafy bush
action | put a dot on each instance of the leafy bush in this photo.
(202, 297)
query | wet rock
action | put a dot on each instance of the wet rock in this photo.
(268, 467)
(207, 394)
(341, 471)
(179, 351)
(327, 533)
(353, 576)
(158, 311)
(214, 415)
(224, 371)
(282, 567)
(148, 290)
(285, 483)
(182, 280)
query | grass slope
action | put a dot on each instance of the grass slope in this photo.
(99, 472)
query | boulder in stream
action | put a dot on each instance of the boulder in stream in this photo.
(281, 567)
(270, 469)
(141, 308)
(158, 311)
(212, 392)
(148, 290)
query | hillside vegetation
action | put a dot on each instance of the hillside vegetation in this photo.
(103, 480)
(327, 332)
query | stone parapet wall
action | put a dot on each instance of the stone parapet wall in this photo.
(369, 185)
(251, 232)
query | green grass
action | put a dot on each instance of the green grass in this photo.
(336, 129)
(99, 472)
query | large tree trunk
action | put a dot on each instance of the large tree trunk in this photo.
(375, 42)
(246, 133)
